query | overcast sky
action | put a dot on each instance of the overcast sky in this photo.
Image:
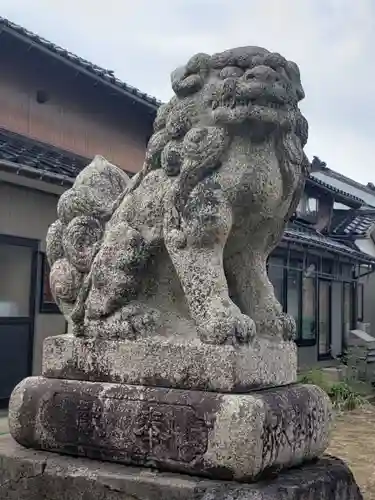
(144, 40)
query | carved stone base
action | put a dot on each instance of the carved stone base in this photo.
(225, 436)
(161, 362)
(37, 475)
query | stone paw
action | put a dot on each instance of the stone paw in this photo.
(227, 326)
(287, 326)
(131, 322)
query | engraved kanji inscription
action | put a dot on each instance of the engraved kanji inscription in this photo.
(173, 431)
(139, 429)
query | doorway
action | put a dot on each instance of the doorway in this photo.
(18, 277)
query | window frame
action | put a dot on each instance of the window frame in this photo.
(303, 211)
(32, 244)
(360, 294)
(326, 355)
(45, 307)
(313, 341)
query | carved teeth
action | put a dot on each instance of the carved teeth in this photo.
(232, 103)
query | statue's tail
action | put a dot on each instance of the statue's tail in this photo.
(75, 237)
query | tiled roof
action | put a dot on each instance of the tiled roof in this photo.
(342, 183)
(340, 194)
(310, 237)
(106, 76)
(352, 222)
(39, 160)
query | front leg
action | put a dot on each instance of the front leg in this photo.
(255, 294)
(196, 250)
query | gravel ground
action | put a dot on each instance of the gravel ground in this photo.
(353, 440)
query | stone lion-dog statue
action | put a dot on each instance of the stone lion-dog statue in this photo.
(181, 248)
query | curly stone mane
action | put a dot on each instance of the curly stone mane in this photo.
(188, 141)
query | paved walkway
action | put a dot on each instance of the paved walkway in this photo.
(3, 422)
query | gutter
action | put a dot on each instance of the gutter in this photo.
(34, 173)
(358, 256)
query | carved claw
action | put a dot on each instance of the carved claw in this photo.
(288, 326)
(227, 326)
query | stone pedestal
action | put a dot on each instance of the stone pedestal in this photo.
(36, 475)
(82, 407)
(223, 436)
(172, 362)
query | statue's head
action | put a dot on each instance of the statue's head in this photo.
(254, 85)
(246, 86)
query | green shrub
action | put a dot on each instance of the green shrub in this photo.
(342, 395)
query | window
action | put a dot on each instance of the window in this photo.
(360, 297)
(307, 207)
(308, 328)
(347, 300)
(15, 284)
(324, 318)
(294, 293)
(47, 303)
(327, 268)
(276, 277)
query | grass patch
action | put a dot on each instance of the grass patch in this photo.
(344, 395)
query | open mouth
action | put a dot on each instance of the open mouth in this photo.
(263, 109)
(251, 103)
(260, 93)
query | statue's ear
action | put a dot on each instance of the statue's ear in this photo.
(294, 75)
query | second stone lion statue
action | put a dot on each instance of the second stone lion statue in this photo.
(181, 248)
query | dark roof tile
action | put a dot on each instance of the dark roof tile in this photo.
(46, 160)
(352, 222)
(304, 235)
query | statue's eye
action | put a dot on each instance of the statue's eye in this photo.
(249, 75)
(231, 72)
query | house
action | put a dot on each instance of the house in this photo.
(356, 227)
(319, 269)
(56, 112)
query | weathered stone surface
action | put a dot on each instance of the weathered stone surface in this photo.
(182, 247)
(166, 363)
(230, 436)
(30, 475)
(73, 240)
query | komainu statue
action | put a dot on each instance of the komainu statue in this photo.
(176, 330)
(180, 249)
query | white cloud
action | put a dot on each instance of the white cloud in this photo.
(143, 41)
